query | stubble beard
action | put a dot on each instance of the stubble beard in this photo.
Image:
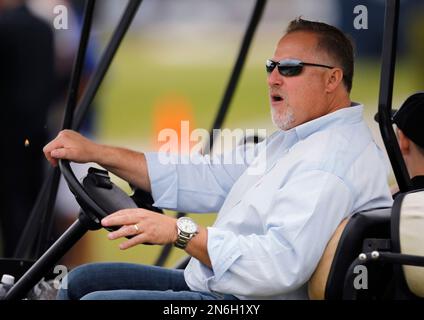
(283, 119)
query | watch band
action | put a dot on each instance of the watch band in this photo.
(183, 239)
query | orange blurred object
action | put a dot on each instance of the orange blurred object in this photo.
(173, 113)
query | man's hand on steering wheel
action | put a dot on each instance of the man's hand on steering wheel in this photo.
(72, 146)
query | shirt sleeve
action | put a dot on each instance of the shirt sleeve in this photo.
(195, 183)
(305, 213)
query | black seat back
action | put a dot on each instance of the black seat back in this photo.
(362, 225)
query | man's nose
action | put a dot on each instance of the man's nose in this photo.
(275, 78)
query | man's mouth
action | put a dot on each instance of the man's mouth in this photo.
(276, 98)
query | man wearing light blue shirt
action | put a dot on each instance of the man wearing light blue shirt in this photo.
(273, 224)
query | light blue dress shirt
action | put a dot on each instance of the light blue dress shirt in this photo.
(273, 227)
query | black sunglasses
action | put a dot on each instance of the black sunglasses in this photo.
(290, 67)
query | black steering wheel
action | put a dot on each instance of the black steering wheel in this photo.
(98, 196)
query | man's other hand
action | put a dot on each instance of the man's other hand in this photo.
(145, 226)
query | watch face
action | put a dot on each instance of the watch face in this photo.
(187, 225)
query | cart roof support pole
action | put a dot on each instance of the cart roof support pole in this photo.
(385, 95)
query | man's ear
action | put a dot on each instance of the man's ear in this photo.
(334, 79)
(404, 143)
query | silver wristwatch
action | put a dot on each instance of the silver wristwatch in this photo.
(187, 229)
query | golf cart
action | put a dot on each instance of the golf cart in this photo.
(374, 239)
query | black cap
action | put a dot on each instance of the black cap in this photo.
(410, 118)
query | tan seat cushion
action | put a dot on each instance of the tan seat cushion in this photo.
(411, 228)
(318, 281)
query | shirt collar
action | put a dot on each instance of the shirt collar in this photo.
(348, 115)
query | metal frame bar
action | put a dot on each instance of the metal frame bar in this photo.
(105, 62)
(390, 34)
(39, 269)
(238, 68)
(350, 293)
(46, 222)
(45, 207)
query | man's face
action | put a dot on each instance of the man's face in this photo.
(301, 98)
